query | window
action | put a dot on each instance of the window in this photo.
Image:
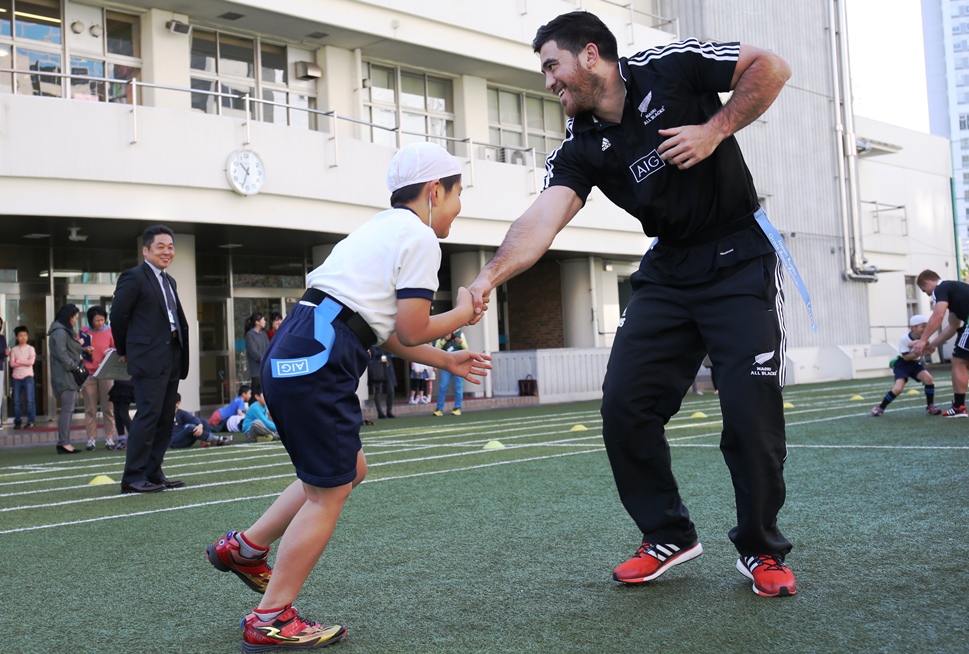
(521, 120)
(421, 105)
(34, 31)
(911, 295)
(240, 66)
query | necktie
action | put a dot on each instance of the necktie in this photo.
(170, 301)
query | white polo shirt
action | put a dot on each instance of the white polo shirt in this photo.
(393, 255)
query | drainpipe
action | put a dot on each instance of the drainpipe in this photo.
(854, 260)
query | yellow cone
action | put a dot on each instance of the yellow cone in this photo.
(699, 414)
(911, 391)
(788, 405)
(857, 397)
(493, 445)
(579, 428)
(100, 480)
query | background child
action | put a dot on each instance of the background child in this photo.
(237, 407)
(188, 428)
(22, 359)
(257, 425)
(122, 396)
(908, 364)
(380, 278)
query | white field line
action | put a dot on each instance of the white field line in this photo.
(268, 495)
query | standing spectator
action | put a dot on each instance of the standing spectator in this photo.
(22, 359)
(151, 335)
(275, 319)
(429, 386)
(4, 353)
(650, 131)
(65, 356)
(257, 342)
(122, 396)
(451, 343)
(95, 390)
(382, 379)
(418, 383)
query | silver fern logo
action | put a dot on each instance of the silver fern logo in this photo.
(763, 365)
(649, 115)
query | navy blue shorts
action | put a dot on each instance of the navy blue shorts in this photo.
(905, 369)
(318, 415)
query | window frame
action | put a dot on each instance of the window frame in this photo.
(400, 134)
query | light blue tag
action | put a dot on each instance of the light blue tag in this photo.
(323, 318)
(785, 256)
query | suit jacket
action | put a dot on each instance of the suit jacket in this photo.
(139, 320)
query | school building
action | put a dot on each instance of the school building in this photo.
(118, 115)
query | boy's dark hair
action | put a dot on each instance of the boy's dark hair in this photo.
(574, 31)
(927, 276)
(244, 388)
(148, 236)
(275, 315)
(94, 312)
(407, 194)
(178, 397)
(256, 390)
(19, 329)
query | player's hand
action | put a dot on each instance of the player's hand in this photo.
(481, 295)
(469, 365)
(919, 346)
(688, 145)
(197, 431)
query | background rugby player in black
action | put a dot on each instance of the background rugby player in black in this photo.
(650, 131)
(952, 297)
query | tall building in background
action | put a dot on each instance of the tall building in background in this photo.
(945, 27)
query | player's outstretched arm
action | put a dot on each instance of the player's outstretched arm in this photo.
(527, 240)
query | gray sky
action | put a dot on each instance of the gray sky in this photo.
(888, 62)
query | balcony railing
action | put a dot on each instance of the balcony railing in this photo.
(133, 98)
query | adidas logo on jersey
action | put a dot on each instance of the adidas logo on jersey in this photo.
(606, 144)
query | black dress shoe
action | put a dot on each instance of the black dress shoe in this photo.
(390, 415)
(143, 486)
(63, 450)
(167, 483)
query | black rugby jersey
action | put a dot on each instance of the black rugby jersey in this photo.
(956, 294)
(669, 86)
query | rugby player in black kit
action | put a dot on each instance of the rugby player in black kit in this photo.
(651, 133)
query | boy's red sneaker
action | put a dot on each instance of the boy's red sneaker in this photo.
(770, 576)
(225, 556)
(653, 559)
(287, 631)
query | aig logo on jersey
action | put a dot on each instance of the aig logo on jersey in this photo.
(646, 166)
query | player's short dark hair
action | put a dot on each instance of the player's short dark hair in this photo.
(19, 329)
(244, 388)
(148, 236)
(178, 397)
(575, 30)
(94, 312)
(409, 193)
(927, 276)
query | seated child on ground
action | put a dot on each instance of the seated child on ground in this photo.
(257, 425)
(237, 407)
(188, 428)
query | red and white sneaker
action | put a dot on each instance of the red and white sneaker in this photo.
(770, 576)
(955, 412)
(877, 411)
(932, 410)
(226, 557)
(653, 559)
(287, 631)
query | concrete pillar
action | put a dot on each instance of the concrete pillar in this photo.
(577, 310)
(482, 337)
(166, 60)
(183, 270)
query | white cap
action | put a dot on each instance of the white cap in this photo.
(916, 320)
(418, 163)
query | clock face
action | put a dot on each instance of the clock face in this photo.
(245, 172)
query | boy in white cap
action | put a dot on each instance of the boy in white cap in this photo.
(908, 364)
(375, 287)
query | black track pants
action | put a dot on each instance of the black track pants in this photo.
(662, 338)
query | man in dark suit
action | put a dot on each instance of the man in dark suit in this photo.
(151, 334)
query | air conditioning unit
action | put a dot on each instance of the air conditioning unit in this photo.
(512, 156)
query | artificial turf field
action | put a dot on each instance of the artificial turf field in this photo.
(449, 547)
